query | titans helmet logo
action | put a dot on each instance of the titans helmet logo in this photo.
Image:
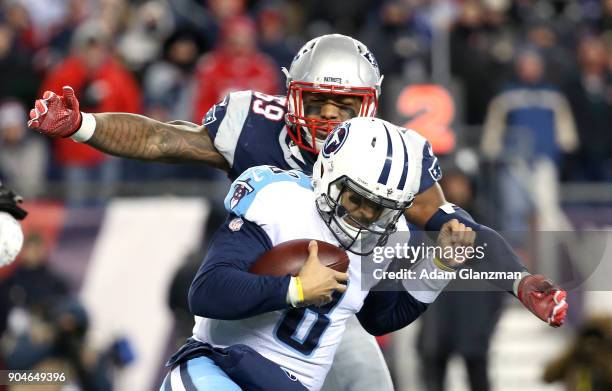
(335, 140)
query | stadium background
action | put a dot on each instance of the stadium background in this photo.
(515, 96)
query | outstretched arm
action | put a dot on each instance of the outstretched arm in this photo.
(430, 211)
(139, 137)
(122, 134)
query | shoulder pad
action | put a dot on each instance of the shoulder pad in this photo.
(245, 188)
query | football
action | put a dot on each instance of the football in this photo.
(289, 257)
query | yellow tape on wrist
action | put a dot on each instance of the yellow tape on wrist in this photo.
(440, 265)
(298, 284)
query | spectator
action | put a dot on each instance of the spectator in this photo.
(591, 101)
(34, 22)
(169, 85)
(234, 65)
(17, 76)
(407, 34)
(479, 46)
(142, 43)
(33, 286)
(558, 60)
(605, 24)
(47, 327)
(340, 16)
(587, 363)
(472, 306)
(102, 84)
(169, 91)
(273, 38)
(23, 155)
(529, 125)
(19, 18)
(56, 342)
(206, 20)
(59, 37)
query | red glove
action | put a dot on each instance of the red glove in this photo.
(56, 116)
(543, 299)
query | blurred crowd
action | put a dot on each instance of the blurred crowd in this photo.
(173, 59)
(531, 82)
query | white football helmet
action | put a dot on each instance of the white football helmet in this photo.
(331, 64)
(370, 157)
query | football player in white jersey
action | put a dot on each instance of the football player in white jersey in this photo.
(331, 79)
(355, 199)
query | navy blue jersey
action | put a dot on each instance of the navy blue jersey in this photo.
(248, 128)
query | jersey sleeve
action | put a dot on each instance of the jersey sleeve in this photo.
(225, 121)
(428, 167)
(431, 172)
(387, 311)
(251, 195)
(223, 288)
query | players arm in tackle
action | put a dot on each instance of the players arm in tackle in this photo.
(343, 205)
(332, 78)
(123, 134)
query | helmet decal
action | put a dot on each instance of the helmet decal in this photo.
(402, 183)
(371, 59)
(384, 174)
(335, 140)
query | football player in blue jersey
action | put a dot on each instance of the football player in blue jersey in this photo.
(331, 79)
(281, 333)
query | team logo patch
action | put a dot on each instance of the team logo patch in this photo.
(335, 140)
(236, 224)
(210, 116)
(435, 171)
(241, 190)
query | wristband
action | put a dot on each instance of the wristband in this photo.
(87, 129)
(442, 266)
(293, 294)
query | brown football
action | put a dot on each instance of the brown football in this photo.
(289, 257)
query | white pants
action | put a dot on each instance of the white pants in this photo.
(358, 364)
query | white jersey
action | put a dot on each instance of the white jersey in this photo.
(302, 341)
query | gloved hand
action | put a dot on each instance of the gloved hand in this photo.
(544, 299)
(55, 115)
